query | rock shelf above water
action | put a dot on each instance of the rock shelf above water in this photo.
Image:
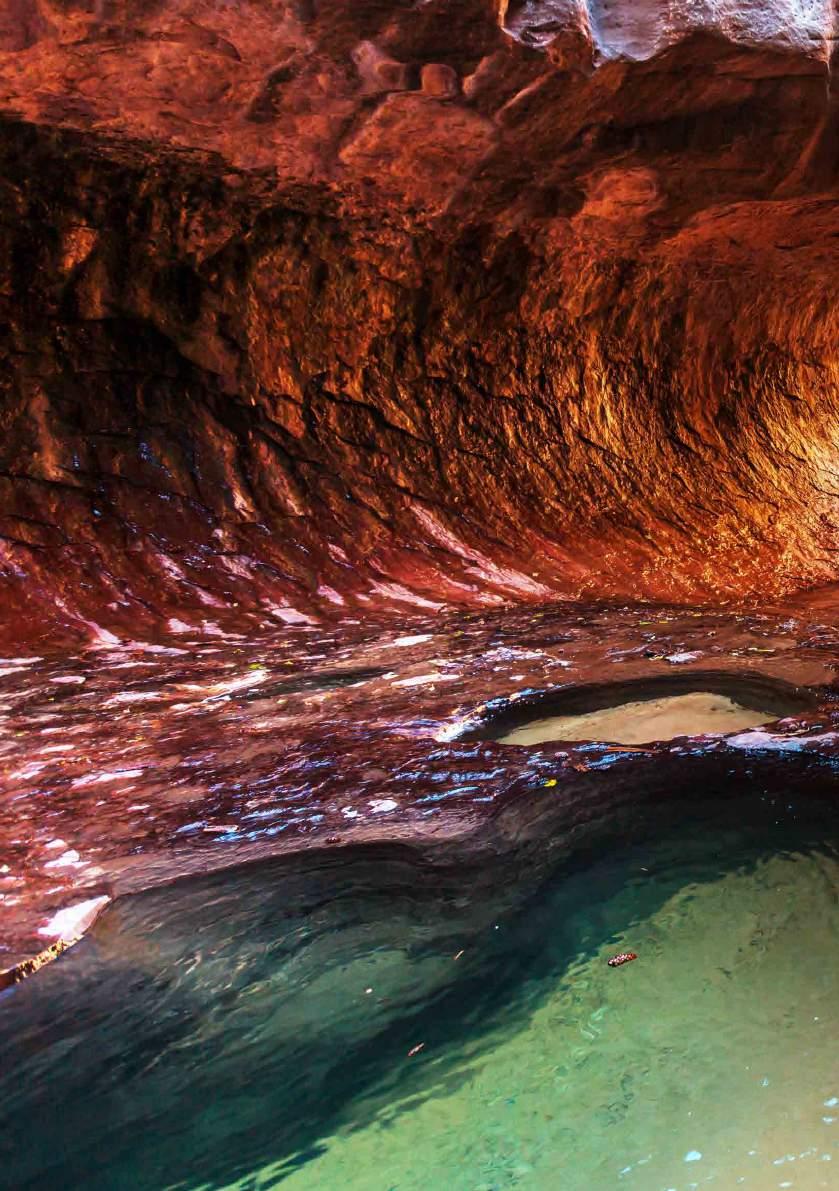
(127, 767)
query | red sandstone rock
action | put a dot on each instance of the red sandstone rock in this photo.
(439, 80)
(275, 324)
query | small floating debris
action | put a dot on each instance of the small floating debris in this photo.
(625, 957)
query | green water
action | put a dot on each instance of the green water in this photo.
(710, 1061)
(254, 1030)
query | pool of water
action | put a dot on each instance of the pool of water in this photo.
(697, 713)
(658, 708)
(370, 1021)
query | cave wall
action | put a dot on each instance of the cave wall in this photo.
(325, 306)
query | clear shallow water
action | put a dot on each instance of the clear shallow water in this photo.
(639, 722)
(221, 1034)
(711, 1061)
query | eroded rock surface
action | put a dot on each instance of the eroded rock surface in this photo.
(315, 313)
(129, 766)
(312, 306)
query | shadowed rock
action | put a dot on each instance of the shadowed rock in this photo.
(281, 328)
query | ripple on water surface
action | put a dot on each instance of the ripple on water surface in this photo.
(257, 1030)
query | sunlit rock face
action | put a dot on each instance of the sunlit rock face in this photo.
(320, 305)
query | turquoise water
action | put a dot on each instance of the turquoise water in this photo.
(255, 1030)
(711, 1061)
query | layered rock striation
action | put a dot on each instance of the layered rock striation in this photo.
(312, 306)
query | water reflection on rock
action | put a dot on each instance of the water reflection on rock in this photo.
(129, 765)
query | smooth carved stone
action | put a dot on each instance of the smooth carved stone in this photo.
(277, 322)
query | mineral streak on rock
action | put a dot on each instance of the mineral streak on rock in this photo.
(307, 306)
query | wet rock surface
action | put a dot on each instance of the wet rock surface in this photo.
(340, 341)
(322, 306)
(137, 764)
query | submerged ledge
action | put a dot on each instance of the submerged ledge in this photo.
(331, 988)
